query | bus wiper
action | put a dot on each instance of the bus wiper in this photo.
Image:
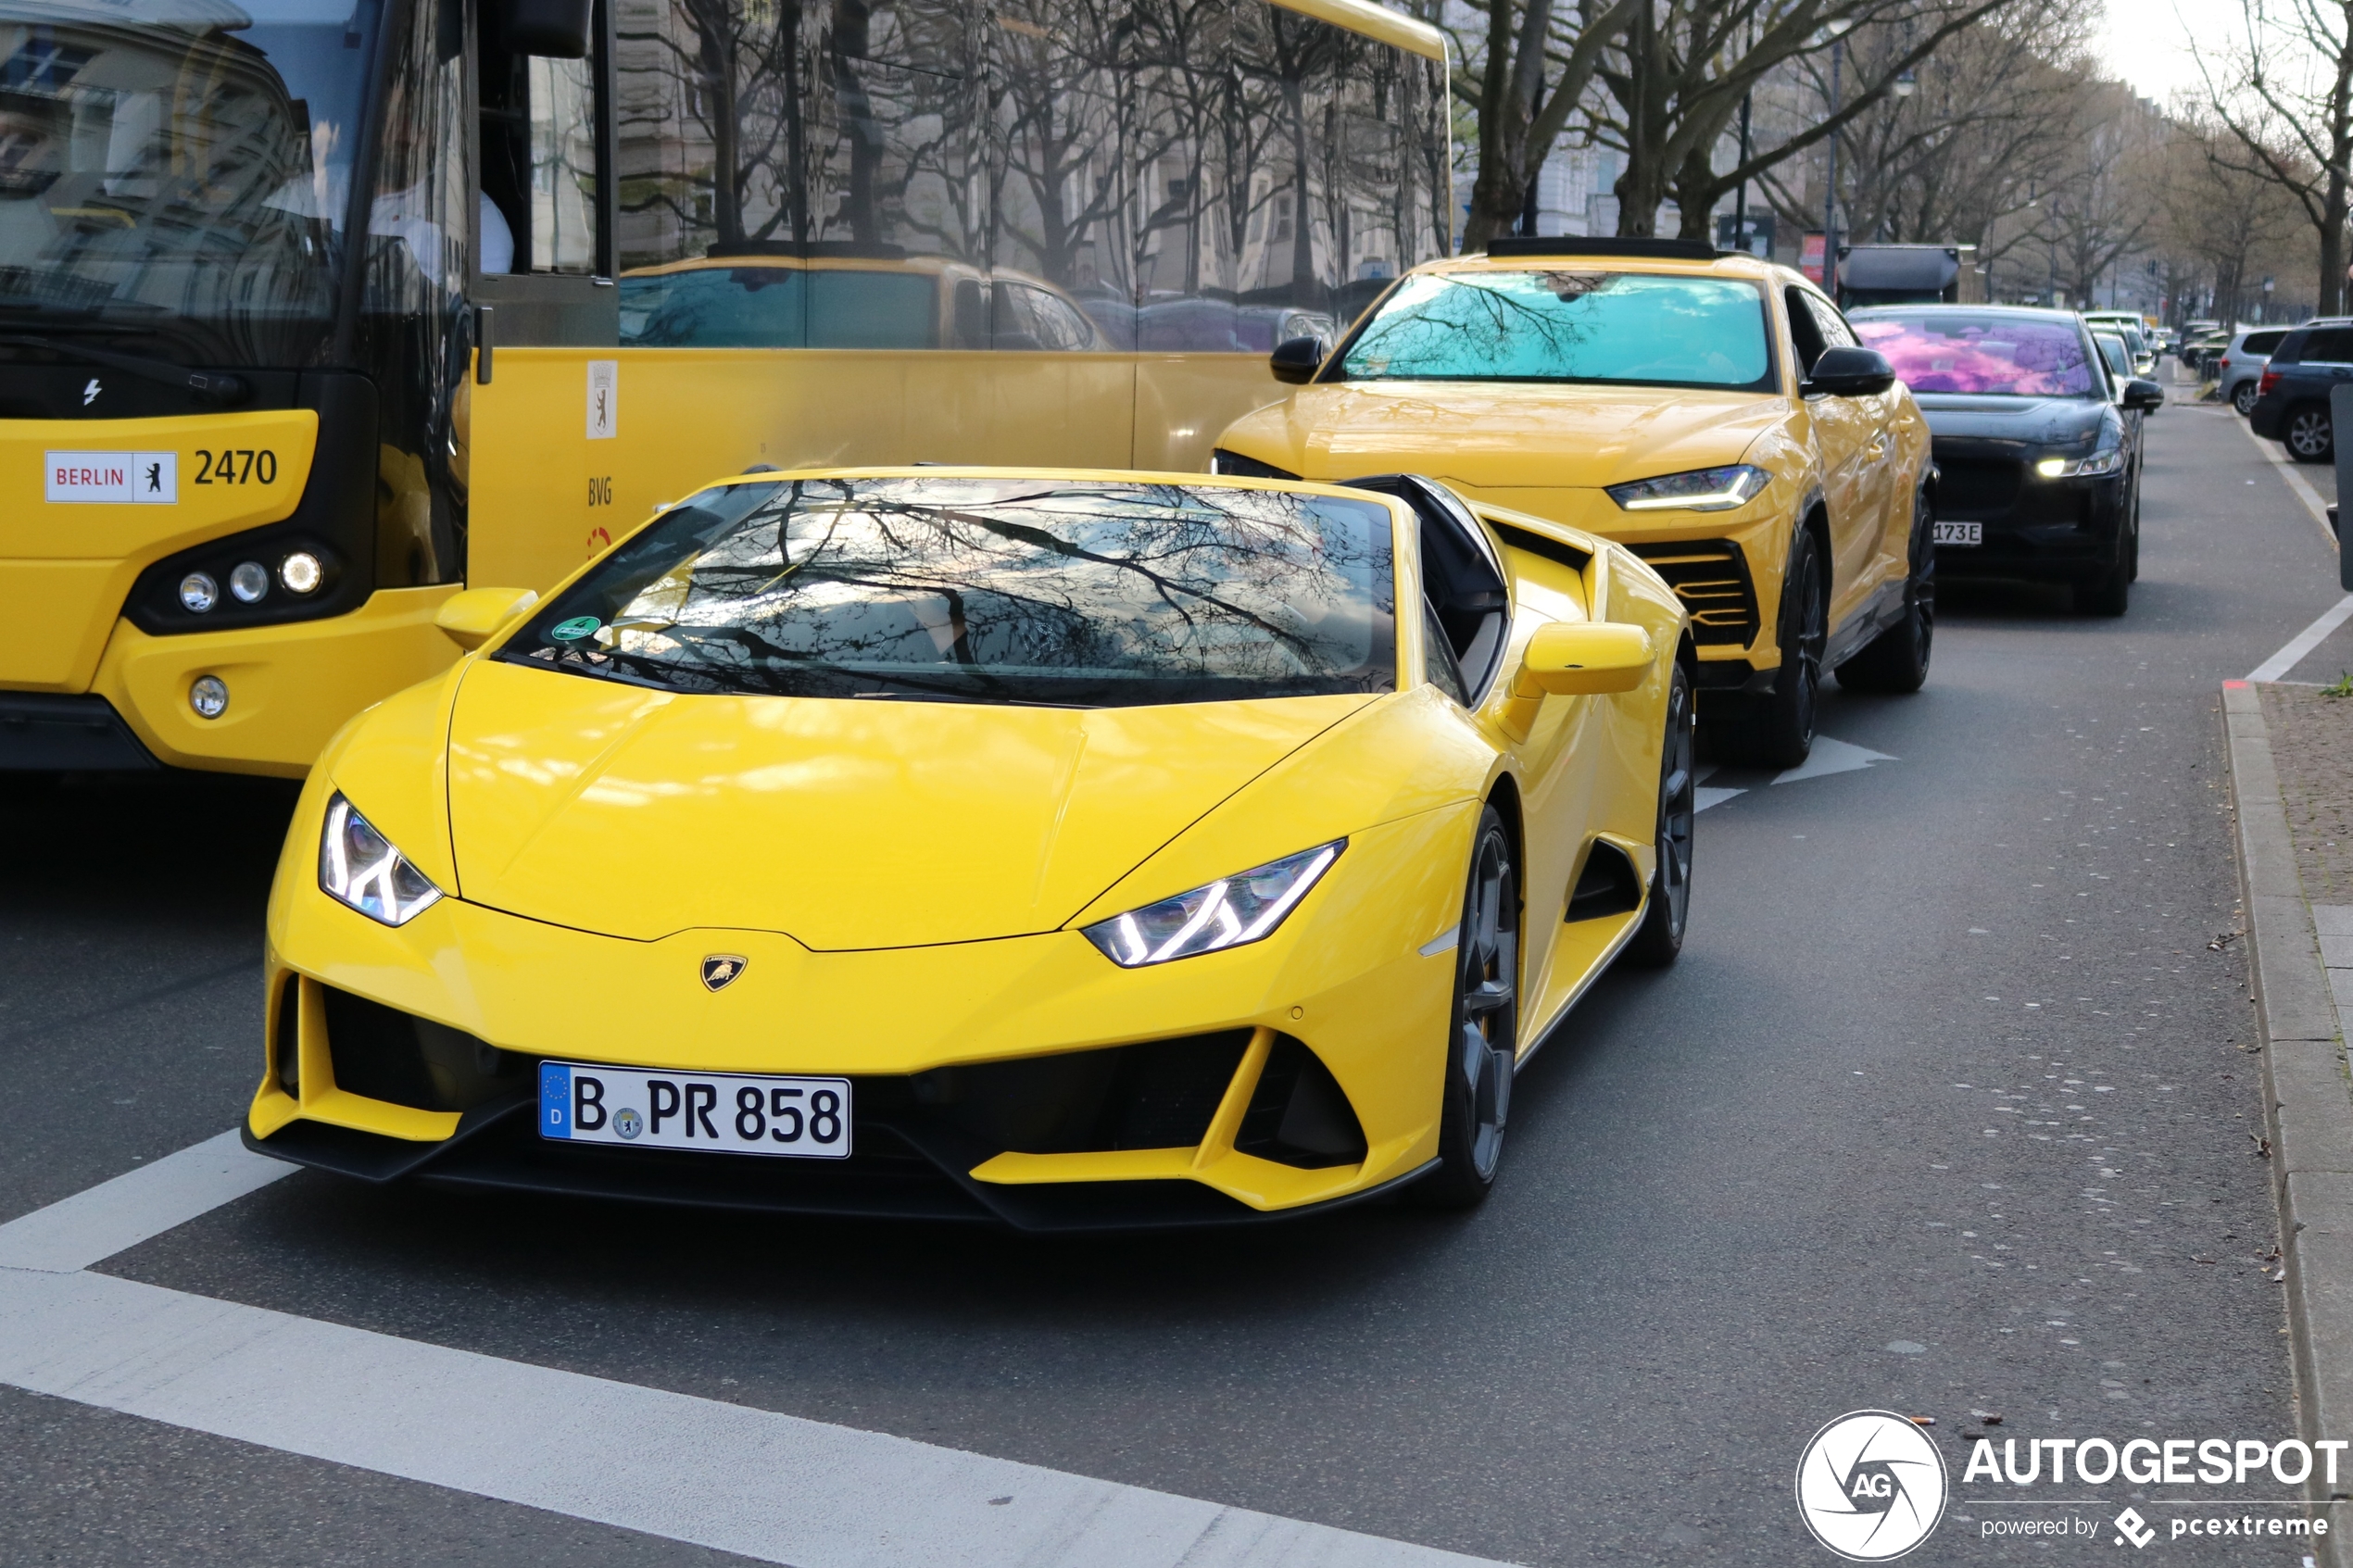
(207, 386)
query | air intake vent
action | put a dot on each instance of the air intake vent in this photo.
(1711, 577)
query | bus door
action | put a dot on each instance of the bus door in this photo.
(540, 434)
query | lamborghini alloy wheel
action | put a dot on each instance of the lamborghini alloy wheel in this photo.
(1483, 1044)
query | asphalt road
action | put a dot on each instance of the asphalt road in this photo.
(1944, 1112)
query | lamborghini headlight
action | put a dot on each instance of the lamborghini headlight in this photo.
(1228, 913)
(2107, 460)
(359, 868)
(1699, 490)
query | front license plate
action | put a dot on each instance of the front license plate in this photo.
(1961, 533)
(710, 1112)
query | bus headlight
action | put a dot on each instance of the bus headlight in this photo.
(199, 593)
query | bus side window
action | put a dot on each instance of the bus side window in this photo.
(539, 133)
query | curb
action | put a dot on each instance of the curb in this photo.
(2307, 1107)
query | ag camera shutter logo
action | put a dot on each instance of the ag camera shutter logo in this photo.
(1871, 1487)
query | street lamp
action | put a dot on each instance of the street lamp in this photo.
(1837, 30)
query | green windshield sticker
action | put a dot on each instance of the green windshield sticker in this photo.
(571, 631)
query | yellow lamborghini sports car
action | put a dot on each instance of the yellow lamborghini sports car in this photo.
(1077, 850)
(1712, 412)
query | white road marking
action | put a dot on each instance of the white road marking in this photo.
(1703, 798)
(763, 1484)
(1830, 757)
(117, 1215)
(2304, 642)
(2276, 455)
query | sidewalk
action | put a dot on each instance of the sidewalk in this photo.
(2290, 760)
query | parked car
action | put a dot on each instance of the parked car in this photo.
(2198, 352)
(2038, 465)
(2292, 400)
(2240, 368)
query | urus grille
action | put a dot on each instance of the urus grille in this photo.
(1711, 577)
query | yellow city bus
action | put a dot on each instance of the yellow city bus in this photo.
(612, 248)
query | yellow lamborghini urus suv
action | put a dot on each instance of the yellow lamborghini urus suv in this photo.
(1074, 850)
(1710, 411)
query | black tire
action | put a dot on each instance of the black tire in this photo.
(1659, 939)
(1482, 1039)
(2133, 544)
(1897, 660)
(1776, 730)
(2242, 397)
(2110, 593)
(2308, 435)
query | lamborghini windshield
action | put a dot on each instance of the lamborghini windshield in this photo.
(1567, 325)
(178, 170)
(972, 589)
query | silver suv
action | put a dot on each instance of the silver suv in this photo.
(2240, 367)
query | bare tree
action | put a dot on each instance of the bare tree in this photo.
(2283, 89)
(1993, 119)
(1537, 62)
(1673, 85)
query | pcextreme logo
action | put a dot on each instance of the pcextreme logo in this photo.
(1870, 1485)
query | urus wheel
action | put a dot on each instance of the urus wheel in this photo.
(1484, 1041)
(1660, 939)
(1776, 730)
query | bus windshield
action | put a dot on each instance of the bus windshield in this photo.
(1630, 328)
(987, 590)
(178, 170)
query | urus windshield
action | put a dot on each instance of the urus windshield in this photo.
(987, 590)
(173, 173)
(1631, 329)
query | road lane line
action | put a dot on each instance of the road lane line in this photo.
(754, 1481)
(117, 1215)
(2304, 642)
(2277, 457)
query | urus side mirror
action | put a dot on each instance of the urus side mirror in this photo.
(1296, 359)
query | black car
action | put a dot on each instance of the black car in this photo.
(2292, 400)
(2037, 447)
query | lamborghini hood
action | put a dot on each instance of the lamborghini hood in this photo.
(1506, 434)
(843, 824)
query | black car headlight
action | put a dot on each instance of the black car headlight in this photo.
(1699, 490)
(1229, 912)
(359, 869)
(2107, 460)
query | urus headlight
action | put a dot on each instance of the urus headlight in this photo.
(1699, 490)
(1228, 913)
(357, 867)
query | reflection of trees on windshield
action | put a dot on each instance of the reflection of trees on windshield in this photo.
(1561, 325)
(166, 174)
(995, 590)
